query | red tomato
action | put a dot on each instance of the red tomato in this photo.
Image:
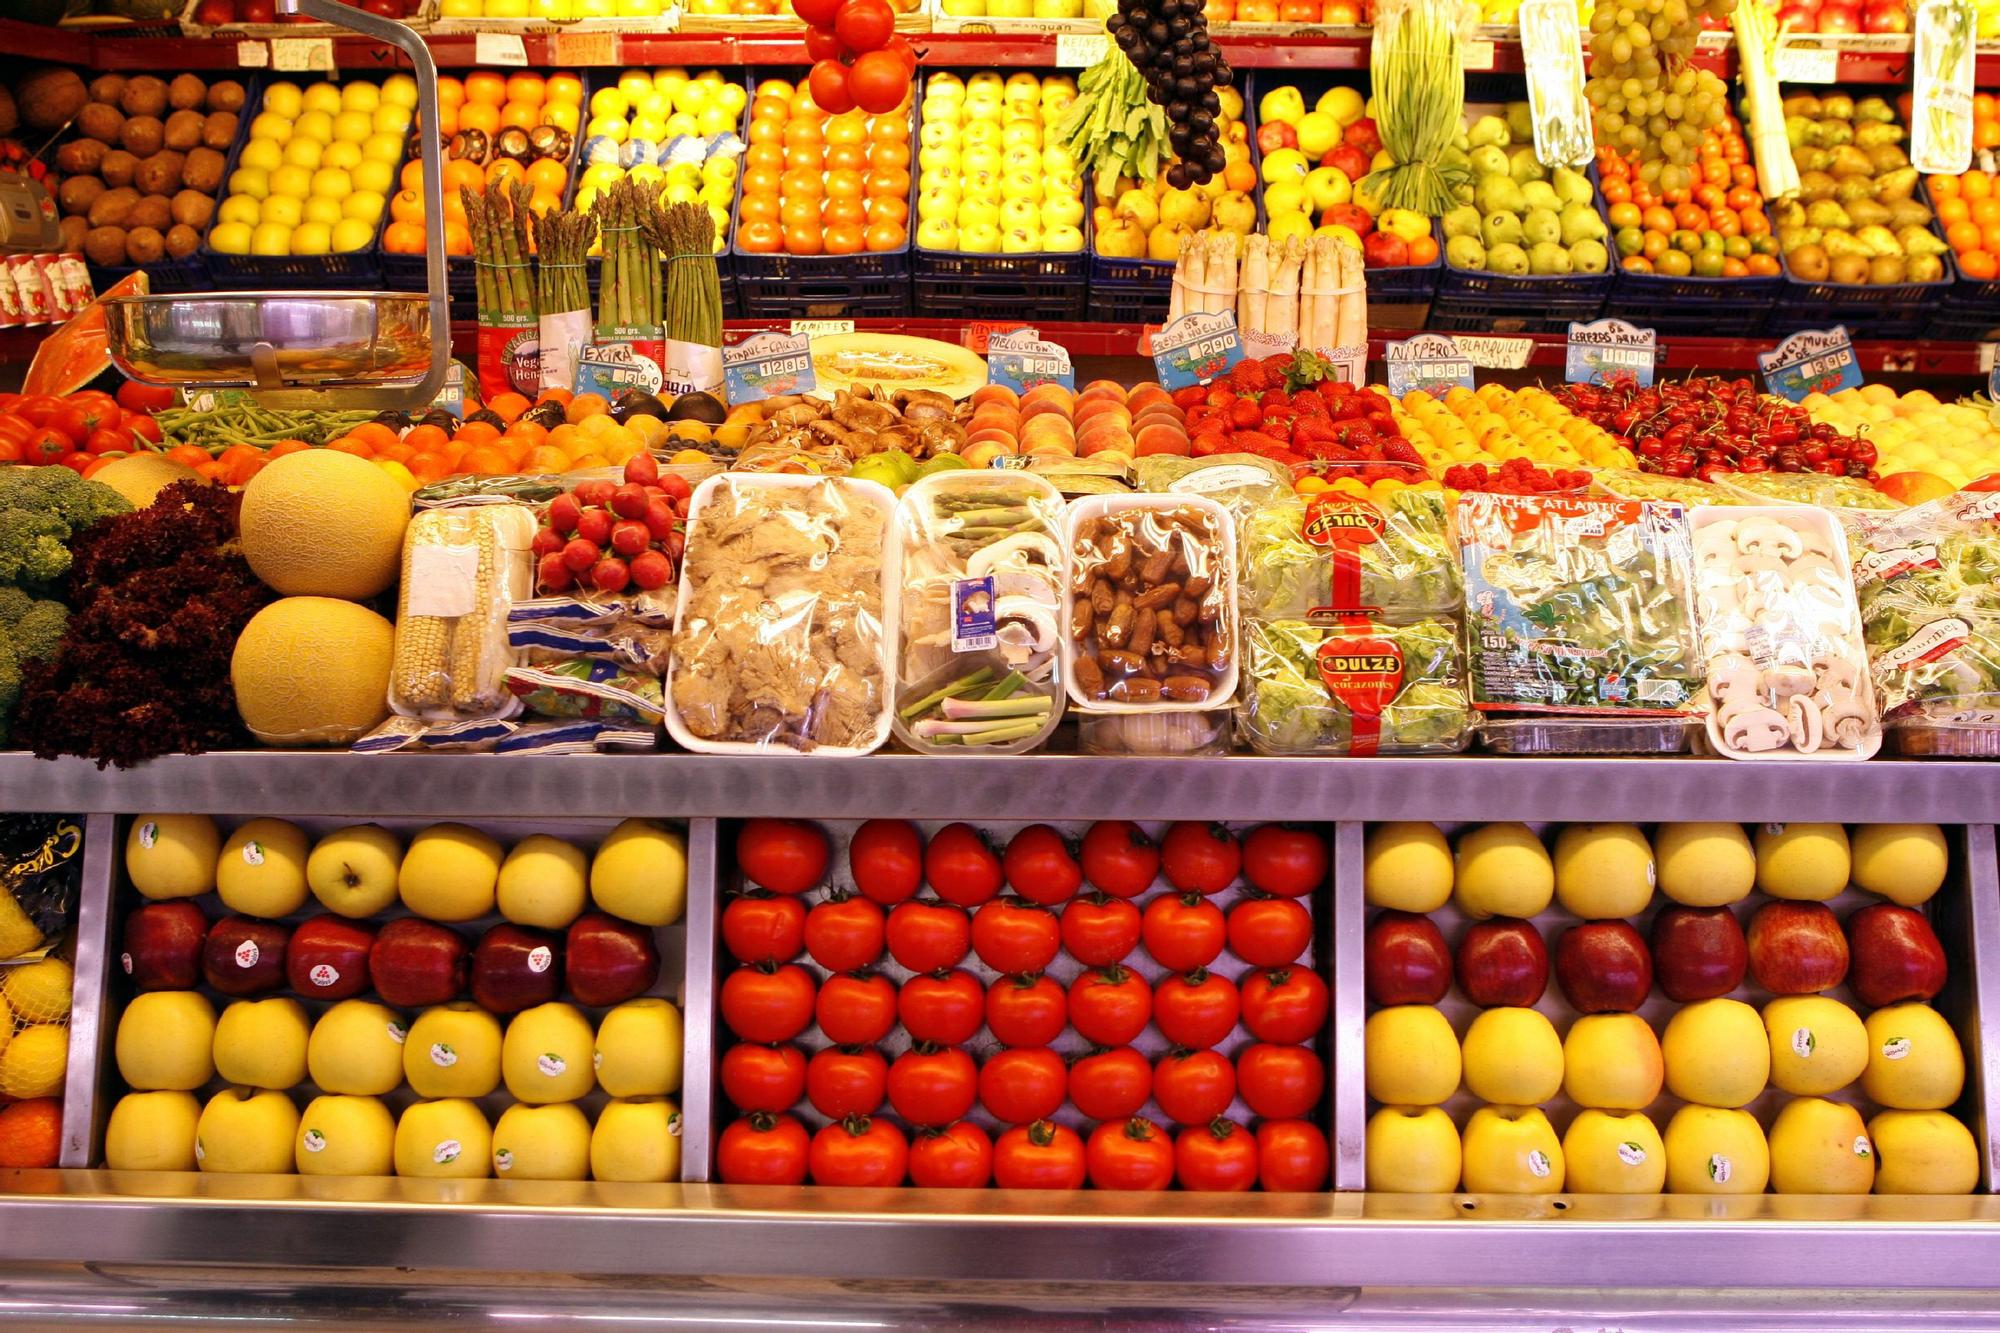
(925, 936)
(39, 408)
(945, 1009)
(1280, 1082)
(960, 867)
(932, 1086)
(1989, 482)
(846, 1082)
(136, 397)
(859, 1151)
(1119, 859)
(16, 428)
(763, 1078)
(1220, 1156)
(1269, 932)
(10, 449)
(1023, 1084)
(828, 82)
(1013, 937)
(782, 855)
(844, 934)
(1099, 930)
(879, 81)
(856, 1009)
(1026, 1011)
(824, 44)
(900, 46)
(864, 25)
(763, 929)
(46, 446)
(958, 1156)
(7, 401)
(1291, 1156)
(144, 427)
(1041, 1156)
(818, 13)
(886, 857)
(1039, 866)
(768, 1005)
(1133, 1155)
(110, 440)
(1183, 933)
(74, 420)
(1283, 860)
(1193, 1087)
(1110, 1085)
(1196, 1010)
(96, 401)
(1110, 1006)
(78, 463)
(1284, 1006)
(1200, 858)
(763, 1149)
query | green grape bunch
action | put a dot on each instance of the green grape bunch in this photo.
(1645, 96)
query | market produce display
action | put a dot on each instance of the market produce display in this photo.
(1717, 227)
(818, 181)
(671, 132)
(1857, 218)
(1513, 215)
(990, 178)
(1143, 206)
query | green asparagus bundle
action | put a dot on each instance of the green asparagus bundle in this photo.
(628, 296)
(685, 234)
(499, 225)
(561, 240)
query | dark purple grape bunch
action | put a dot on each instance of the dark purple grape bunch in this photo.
(1167, 42)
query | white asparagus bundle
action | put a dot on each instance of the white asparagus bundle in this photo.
(1222, 271)
(1256, 289)
(1352, 326)
(1283, 319)
(1309, 290)
(1177, 303)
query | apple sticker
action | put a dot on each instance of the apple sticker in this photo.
(125, 959)
(396, 1033)
(325, 974)
(1862, 1148)
(503, 1159)
(1631, 1153)
(443, 1056)
(552, 1064)
(1718, 1169)
(1895, 1048)
(447, 1152)
(1803, 1043)
(246, 954)
(1538, 1164)
(149, 833)
(540, 959)
(313, 1141)
(253, 853)
(674, 1124)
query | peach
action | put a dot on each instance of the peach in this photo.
(992, 435)
(983, 453)
(1147, 393)
(1044, 407)
(1159, 406)
(1153, 416)
(994, 393)
(996, 413)
(1162, 440)
(1111, 387)
(1093, 408)
(1051, 449)
(1093, 440)
(1052, 392)
(1045, 430)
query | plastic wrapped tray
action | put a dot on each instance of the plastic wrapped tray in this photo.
(1922, 739)
(1532, 735)
(1354, 686)
(1358, 546)
(1154, 733)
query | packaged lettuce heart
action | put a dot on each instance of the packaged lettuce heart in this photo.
(1356, 686)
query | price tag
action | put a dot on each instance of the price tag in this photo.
(1429, 361)
(768, 365)
(303, 54)
(1811, 361)
(1495, 353)
(1554, 61)
(1080, 50)
(1608, 349)
(1479, 55)
(499, 48)
(820, 328)
(979, 333)
(1941, 112)
(1195, 349)
(1807, 64)
(452, 397)
(609, 369)
(252, 55)
(585, 48)
(1021, 360)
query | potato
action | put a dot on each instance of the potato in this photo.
(184, 130)
(50, 98)
(142, 136)
(112, 207)
(186, 93)
(192, 208)
(144, 95)
(203, 170)
(225, 95)
(101, 121)
(73, 232)
(105, 246)
(161, 173)
(219, 130)
(107, 88)
(144, 245)
(118, 168)
(181, 241)
(153, 211)
(78, 193)
(80, 157)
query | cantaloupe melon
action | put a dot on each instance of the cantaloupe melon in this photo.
(324, 524)
(312, 671)
(141, 477)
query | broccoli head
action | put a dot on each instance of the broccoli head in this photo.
(61, 493)
(33, 546)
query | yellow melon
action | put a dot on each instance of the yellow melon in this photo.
(324, 524)
(141, 477)
(312, 671)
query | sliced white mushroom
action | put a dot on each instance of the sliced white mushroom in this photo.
(1020, 551)
(1755, 730)
(1846, 721)
(1035, 587)
(1716, 537)
(1024, 628)
(1812, 541)
(1759, 564)
(1804, 717)
(1837, 675)
(1813, 565)
(1732, 679)
(1768, 537)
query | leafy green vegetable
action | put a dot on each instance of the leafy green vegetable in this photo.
(1929, 583)
(1287, 709)
(1411, 569)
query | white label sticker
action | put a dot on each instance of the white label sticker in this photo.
(126, 960)
(552, 1064)
(302, 53)
(1538, 1163)
(1862, 1148)
(313, 1141)
(1631, 1153)
(443, 1056)
(1807, 64)
(499, 48)
(246, 954)
(447, 1152)
(540, 959)
(674, 1124)
(325, 974)
(253, 853)
(252, 55)
(1478, 55)
(443, 582)
(596, 1061)
(200, 1153)
(1802, 1043)
(1775, 830)
(503, 1159)
(149, 833)
(1895, 1048)
(820, 328)
(1493, 352)
(396, 1033)
(1718, 1169)
(1080, 50)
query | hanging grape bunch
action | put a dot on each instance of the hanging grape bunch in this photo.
(1645, 95)
(1167, 41)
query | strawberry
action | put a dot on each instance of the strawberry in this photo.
(1402, 452)
(1219, 395)
(1250, 376)
(1310, 405)
(1190, 396)
(1310, 429)
(1245, 414)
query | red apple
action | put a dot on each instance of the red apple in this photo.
(1885, 16)
(1698, 952)
(609, 960)
(215, 13)
(1796, 948)
(1363, 138)
(163, 943)
(244, 956)
(417, 962)
(1502, 962)
(257, 11)
(1275, 134)
(1381, 250)
(1405, 959)
(1603, 967)
(328, 958)
(1352, 216)
(1896, 955)
(1839, 17)
(515, 968)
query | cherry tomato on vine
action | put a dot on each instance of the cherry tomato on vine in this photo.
(782, 855)
(856, 1009)
(1110, 1085)
(1132, 1155)
(1197, 1009)
(1026, 1011)
(1023, 1084)
(757, 929)
(1287, 1005)
(763, 1078)
(958, 1156)
(1183, 933)
(886, 856)
(859, 1151)
(1220, 1156)
(763, 1149)
(850, 1081)
(1099, 930)
(844, 934)
(1285, 861)
(960, 867)
(1280, 1082)
(1109, 1006)
(1041, 1156)
(945, 1009)
(1119, 859)
(1200, 858)
(1193, 1087)
(1012, 936)
(768, 1005)
(1291, 1156)
(933, 1085)
(924, 936)
(1269, 932)
(1039, 867)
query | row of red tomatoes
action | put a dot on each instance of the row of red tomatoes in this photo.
(76, 429)
(1135, 1154)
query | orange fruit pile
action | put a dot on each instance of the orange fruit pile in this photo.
(1715, 227)
(1968, 208)
(818, 184)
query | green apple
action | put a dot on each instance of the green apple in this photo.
(640, 873)
(243, 1131)
(1412, 1150)
(262, 1043)
(444, 1139)
(1704, 865)
(453, 1050)
(172, 856)
(542, 883)
(1503, 870)
(357, 1048)
(1603, 870)
(1513, 1057)
(1820, 1147)
(1905, 863)
(1608, 1153)
(546, 1055)
(262, 869)
(450, 873)
(345, 1136)
(1411, 1056)
(1914, 1059)
(152, 1131)
(1511, 1150)
(542, 1143)
(637, 1139)
(1406, 866)
(1923, 1152)
(1802, 861)
(1716, 1053)
(1818, 1045)
(166, 1041)
(1612, 1061)
(1715, 1151)
(352, 871)
(639, 1049)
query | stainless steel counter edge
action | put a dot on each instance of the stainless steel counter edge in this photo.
(1025, 787)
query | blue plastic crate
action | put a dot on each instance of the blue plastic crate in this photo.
(165, 277)
(1554, 316)
(1900, 311)
(406, 273)
(1143, 300)
(1970, 311)
(1693, 305)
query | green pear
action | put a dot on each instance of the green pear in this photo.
(1581, 223)
(1589, 257)
(1465, 252)
(1500, 229)
(1547, 257)
(1541, 194)
(1461, 221)
(1489, 130)
(1572, 187)
(1541, 225)
(1510, 260)
(1524, 166)
(1521, 122)
(1498, 194)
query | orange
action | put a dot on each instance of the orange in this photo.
(764, 157)
(403, 238)
(562, 116)
(799, 213)
(1979, 265)
(770, 108)
(407, 206)
(548, 175)
(528, 88)
(504, 173)
(413, 174)
(1762, 266)
(848, 128)
(762, 180)
(422, 438)
(464, 174)
(1943, 187)
(803, 108)
(1975, 185)
(475, 433)
(520, 116)
(1989, 239)
(285, 447)
(804, 238)
(892, 128)
(526, 433)
(543, 458)
(886, 236)
(1952, 210)
(454, 209)
(566, 438)
(31, 1133)
(767, 131)
(799, 184)
(542, 203)
(399, 452)
(346, 444)
(483, 85)
(479, 116)
(891, 155)
(760, 237)
(451, 92)
(844, 238)
(1241, 176)
(892, 181)
(889, 208)
(564, 86)
(561, 396)
(427, 468)
(805, 157)
(585, 405)
(800, 132)
(844, 212)
(457, 237)
(1423, 250)
(486, 461)
(844, 184)
(759, 208)
(188, 455)
(1962, 235)
(1986, 211)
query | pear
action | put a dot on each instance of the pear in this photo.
(1185, 209)
(1546, 257)
(1521, 122)
(1465, 252)
(1498, 194)
(1452, 155)
(1462, 221)
(1541, 224)
(1234, 211)
(1581, 223)
(1897, 185)
(1487, 160)
(1541, 194)
(1524, 166)
(1510, 260)
(1879, 240)
(1139, 206)
(1489, 130)
(1589, 257)
(1571, 186)
(1827, 213)
(1500, 228)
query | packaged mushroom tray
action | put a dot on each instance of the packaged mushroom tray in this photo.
(1781, 635)
(784, 633)
(981, 612)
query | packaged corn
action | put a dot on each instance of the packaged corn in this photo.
(463, 569)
